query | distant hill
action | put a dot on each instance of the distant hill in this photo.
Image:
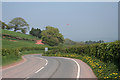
(69, 42)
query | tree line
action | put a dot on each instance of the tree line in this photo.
(92, 42)
(49, 36)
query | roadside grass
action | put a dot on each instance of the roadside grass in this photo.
(18, 34)
(33, 52)
(101, 69)
(9, 60)
(6, 60)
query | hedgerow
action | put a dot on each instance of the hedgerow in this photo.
(107, 52)
(104, 58)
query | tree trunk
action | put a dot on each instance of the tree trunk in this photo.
(15, 29)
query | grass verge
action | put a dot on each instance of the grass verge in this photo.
(33, 52)
(6, 60)
(9, 60)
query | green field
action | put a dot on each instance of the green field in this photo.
(18, 34)
(8, 43)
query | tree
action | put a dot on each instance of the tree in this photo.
(92, 42)
(51, 36)
(36, 32)
(3, 25)
(19, 24)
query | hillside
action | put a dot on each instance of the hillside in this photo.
(14, 43)
(18, 35)
(11, 39)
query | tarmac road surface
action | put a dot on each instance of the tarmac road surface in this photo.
(37, 66)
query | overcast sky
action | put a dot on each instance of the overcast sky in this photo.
(79, 21)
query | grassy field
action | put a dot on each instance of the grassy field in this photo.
(13, 43)
(18, 34)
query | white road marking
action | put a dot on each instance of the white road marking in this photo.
(39, 70)
(78, 73)
(42, 67)
(46, 62)
(26, 78)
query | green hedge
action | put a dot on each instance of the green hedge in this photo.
(10, 55)
(10, 52)
(15, 52)
(107, 52)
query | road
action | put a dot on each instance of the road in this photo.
(37, 66)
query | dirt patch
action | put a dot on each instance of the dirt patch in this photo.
(3, 36)
(39, 42)
(13, 40)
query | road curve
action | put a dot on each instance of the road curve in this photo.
(37, 66)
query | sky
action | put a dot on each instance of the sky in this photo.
(78, 21)
(60, 0)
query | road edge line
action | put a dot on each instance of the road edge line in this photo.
(78, 74)
(78, 65)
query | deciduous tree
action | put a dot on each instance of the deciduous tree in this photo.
(51, 36)
(19, 24)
